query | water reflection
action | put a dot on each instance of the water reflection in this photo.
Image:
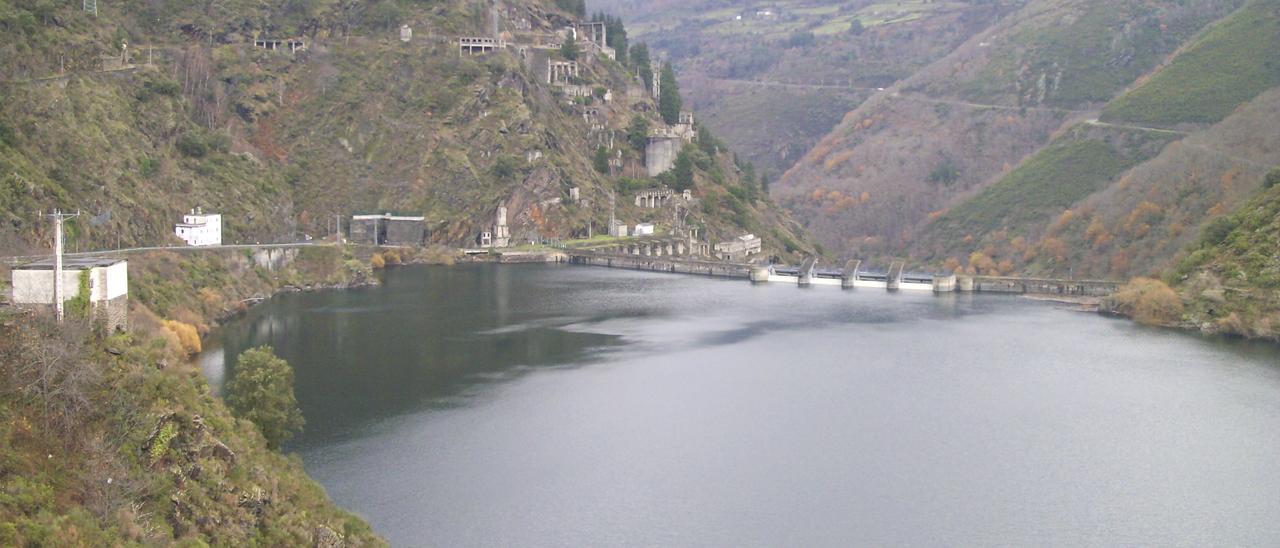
(544, 405)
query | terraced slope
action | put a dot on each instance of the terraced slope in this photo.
(924, 146)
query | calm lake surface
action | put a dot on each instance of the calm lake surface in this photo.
(541, 405)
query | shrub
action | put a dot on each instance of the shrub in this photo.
(376, 261)
(188, 336)
(1272, 179)
(1148, 301)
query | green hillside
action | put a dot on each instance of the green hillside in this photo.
(1071, 168)
(1076, 207)
(1222, 70)
(1231, 278)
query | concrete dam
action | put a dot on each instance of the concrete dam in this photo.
(852, 276)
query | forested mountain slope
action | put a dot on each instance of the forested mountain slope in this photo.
(923, 146)
(1121, 197)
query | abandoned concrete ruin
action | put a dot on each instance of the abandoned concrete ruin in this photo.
(661, 151)
(657, 197)
(561, 72)
(500, 234)
(478, 45)
(292, 45)
(388, 229)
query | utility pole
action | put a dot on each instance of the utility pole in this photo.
(612, 218)
(337, 228)
(58, 218)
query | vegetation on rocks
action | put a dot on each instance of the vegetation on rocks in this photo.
(118, 442)
(1231, 276)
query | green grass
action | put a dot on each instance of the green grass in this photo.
(1230, 65)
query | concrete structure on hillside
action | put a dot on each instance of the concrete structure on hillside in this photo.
(477, 45)
(738, 249)
(618, 229)
(656, 69)
(105, 279)
(500, 234)
(561, 72)
(199, 228)
(653, 198)
(685, 128)
(406, 33)
(294, 45)
(660, 154)
(643, 229)
(388, 229)
(593, 36)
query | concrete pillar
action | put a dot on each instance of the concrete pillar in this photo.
(759, 274)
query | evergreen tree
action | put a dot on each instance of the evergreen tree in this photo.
(601, 160)
(262, 391)
(640, 60)
(669, 103)
(683, 172)
(638, 132)
(617, 37)
(569, 49)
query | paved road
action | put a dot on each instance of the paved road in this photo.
(126, 251)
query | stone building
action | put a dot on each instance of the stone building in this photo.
(105, 279)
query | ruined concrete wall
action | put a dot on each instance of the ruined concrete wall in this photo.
(364, 231)
(662, 264)
(405, 232)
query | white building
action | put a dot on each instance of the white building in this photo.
(198, 228)
(738, 248)
(106, 280)
(643, 229)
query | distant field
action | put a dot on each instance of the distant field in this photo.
(1231, 64)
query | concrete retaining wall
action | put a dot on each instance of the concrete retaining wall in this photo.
(663, 264)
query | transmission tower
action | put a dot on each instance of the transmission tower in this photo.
(58, 218)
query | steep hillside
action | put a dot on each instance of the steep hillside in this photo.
(1231, 279)
(117, 442)
(358, 121)
(773, 79)
(1086, 213)
(924, 145)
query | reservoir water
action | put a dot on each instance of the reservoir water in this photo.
(487, 405)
